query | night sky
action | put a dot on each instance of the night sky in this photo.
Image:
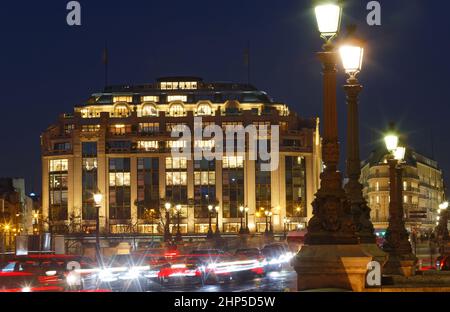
(47, 67)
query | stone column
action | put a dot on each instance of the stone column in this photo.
(219, 184)
(103, 181)
(250, 194)
(133, 190)
(45, 194)
(190, 193)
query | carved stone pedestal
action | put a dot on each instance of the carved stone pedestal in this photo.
(331, 266)
(404, 265)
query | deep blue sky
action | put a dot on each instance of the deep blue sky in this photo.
(47, 67)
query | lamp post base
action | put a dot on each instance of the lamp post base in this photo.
(404, 265)
(210, 235)
(331, 266)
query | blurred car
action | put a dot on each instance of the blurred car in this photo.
(41, 272)
(253, 254)
(217, 266)
(123, 272)
(443, 263)
(276, 255)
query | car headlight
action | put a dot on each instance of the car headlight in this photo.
(71, 279)
(26, 289)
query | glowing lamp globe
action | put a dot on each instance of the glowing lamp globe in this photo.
(98, 199)
(352, 52)
(399, 153)
(391, 142)
(328, 17)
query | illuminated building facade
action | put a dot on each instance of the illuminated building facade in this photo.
(119, 143)
(423, 189)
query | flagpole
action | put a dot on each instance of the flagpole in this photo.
(248, 65)
(106, 61)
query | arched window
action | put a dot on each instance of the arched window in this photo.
(204, 110)
(176, 110)
(149, 110)
(121, 110)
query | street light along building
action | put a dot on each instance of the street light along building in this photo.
(423, 189)
(119, 143)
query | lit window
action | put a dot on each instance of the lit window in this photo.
(90, 128)
(57, 165)
(205, 178)
(149, 110)
(68, 128)
(204, 110)
(119, 179)
(176, 110)
(182, 85)
(209, 144)
(149, 127)
(176, 144)
(89, 163)
(87, 113)
(126, 99)
(405, 185)
(121, 111)
(233, 162)
(170, 126)
(172, 98)
(176, 163)
(176, 178)
(150, 98)
(148, 145)
(405, 199)
(378, 186)
(119, 129)
(378, 199)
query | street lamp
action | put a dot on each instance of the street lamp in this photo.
(401, 259)
(330, 198)
(352, 52)
(216, 208)
(98, 198)
(241, 210)
(178, 236)
(331, 230)
(442, 235)
(286, 224)
(266, 213)
(328, 16)
(247, 230)
(167, 234)
(210, 231)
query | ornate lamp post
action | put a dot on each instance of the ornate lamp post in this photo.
(266, 213)
(216, 208)
(352, 53)
(178, 236)
(241, 229)
(442, 235)
(167, 234)
(98, 198)
(247, 230)
(270, 223)
(210, 231)
(286, 223)
(401, 259)
(331, 233)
